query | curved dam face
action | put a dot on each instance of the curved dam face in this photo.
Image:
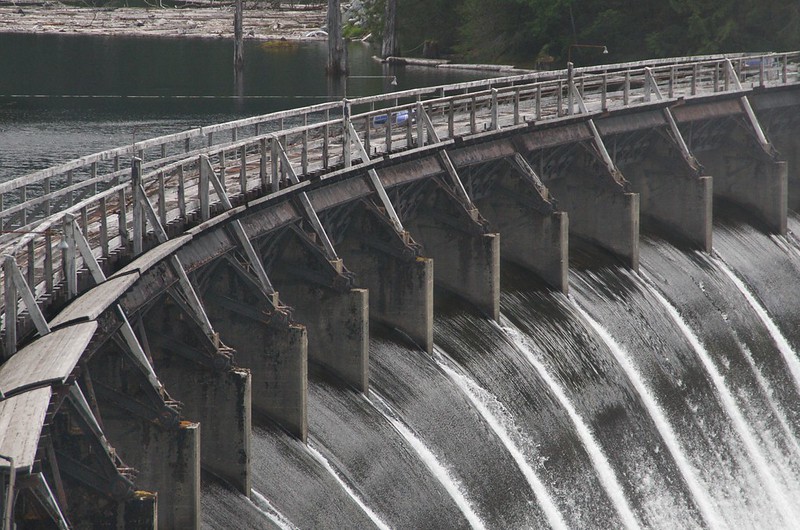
(449, 319)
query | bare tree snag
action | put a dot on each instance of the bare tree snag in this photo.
(238, 36)
(337, 53)
(389, 47)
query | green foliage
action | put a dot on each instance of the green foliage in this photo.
(527, 31)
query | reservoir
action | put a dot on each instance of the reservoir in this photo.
(62, 97)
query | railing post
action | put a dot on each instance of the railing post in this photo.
(69, 256)
(472, 121)
(31, 271)
(516, 106)
(451, 119)
(122, 223)
(420, 124)
(326, 133)
(274, 162)
(495, 111)
(538, 101)
(604, 94)
(243, 169)
(203, 189)
(346, 154)
(671, 82)
(784, 69)
(388, 132)
(138, 215)
(304, 154)
(103, 227)
(695, 73)
(262, 164)
(570, 95)
(367, 133)
(626, 95)
(11, 308)
(181, 193)
(48, 262)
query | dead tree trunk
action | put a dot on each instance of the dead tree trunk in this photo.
(238, 36)
(337, 54)
(389, 47)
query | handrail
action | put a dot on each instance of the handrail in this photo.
(314, 143)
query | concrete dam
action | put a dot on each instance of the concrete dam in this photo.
(562, 299)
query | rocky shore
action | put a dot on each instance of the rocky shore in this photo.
(212, 21)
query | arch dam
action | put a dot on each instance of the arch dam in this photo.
(158, 296)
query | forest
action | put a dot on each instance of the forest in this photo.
(544, 33)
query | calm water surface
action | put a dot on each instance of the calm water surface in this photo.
(62, 97)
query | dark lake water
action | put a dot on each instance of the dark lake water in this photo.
(62, 97)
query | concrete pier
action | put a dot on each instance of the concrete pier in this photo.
(747, 176)
(267, 342)
(400, 282)
(221, 402)
(338, 329)
(335, 314)
(140, 512)
(534, 235)
(167, 461)
(601, 211)
(677, 197)
(199, 373)
(467, 259)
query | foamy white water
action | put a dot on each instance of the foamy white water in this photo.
(699, 493)
(502, 425)
(760, 462)
(787, 352)
(367, 510)
(439, 471)
(263, 505)
(604, 470)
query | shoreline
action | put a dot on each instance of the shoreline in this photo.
(260, 24)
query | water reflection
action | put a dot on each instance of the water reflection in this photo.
(62, 97)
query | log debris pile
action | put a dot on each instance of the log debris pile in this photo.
(260, 23)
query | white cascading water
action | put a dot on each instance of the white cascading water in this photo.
(604, 470)
(270, 512)
(699, 493)
(786, 351)
(780, 501)
(453, 488)
(502, 425)
(327, 465)
(789, 355)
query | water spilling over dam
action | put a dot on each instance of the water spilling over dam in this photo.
(330, 321)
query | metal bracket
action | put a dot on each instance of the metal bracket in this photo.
(751, 115)
(377, 184)
(20, 286)
(308, 208)
(241, 235)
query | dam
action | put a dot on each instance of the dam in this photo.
(561, 299)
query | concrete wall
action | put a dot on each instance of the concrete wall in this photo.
(601, 212)
(673, 195)
(467, 260)
(400, 283)
(400, 291)
(273, 348)
(338, 328)
(746, 176)
(167, 462)
(220, 401)
(535, 239)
